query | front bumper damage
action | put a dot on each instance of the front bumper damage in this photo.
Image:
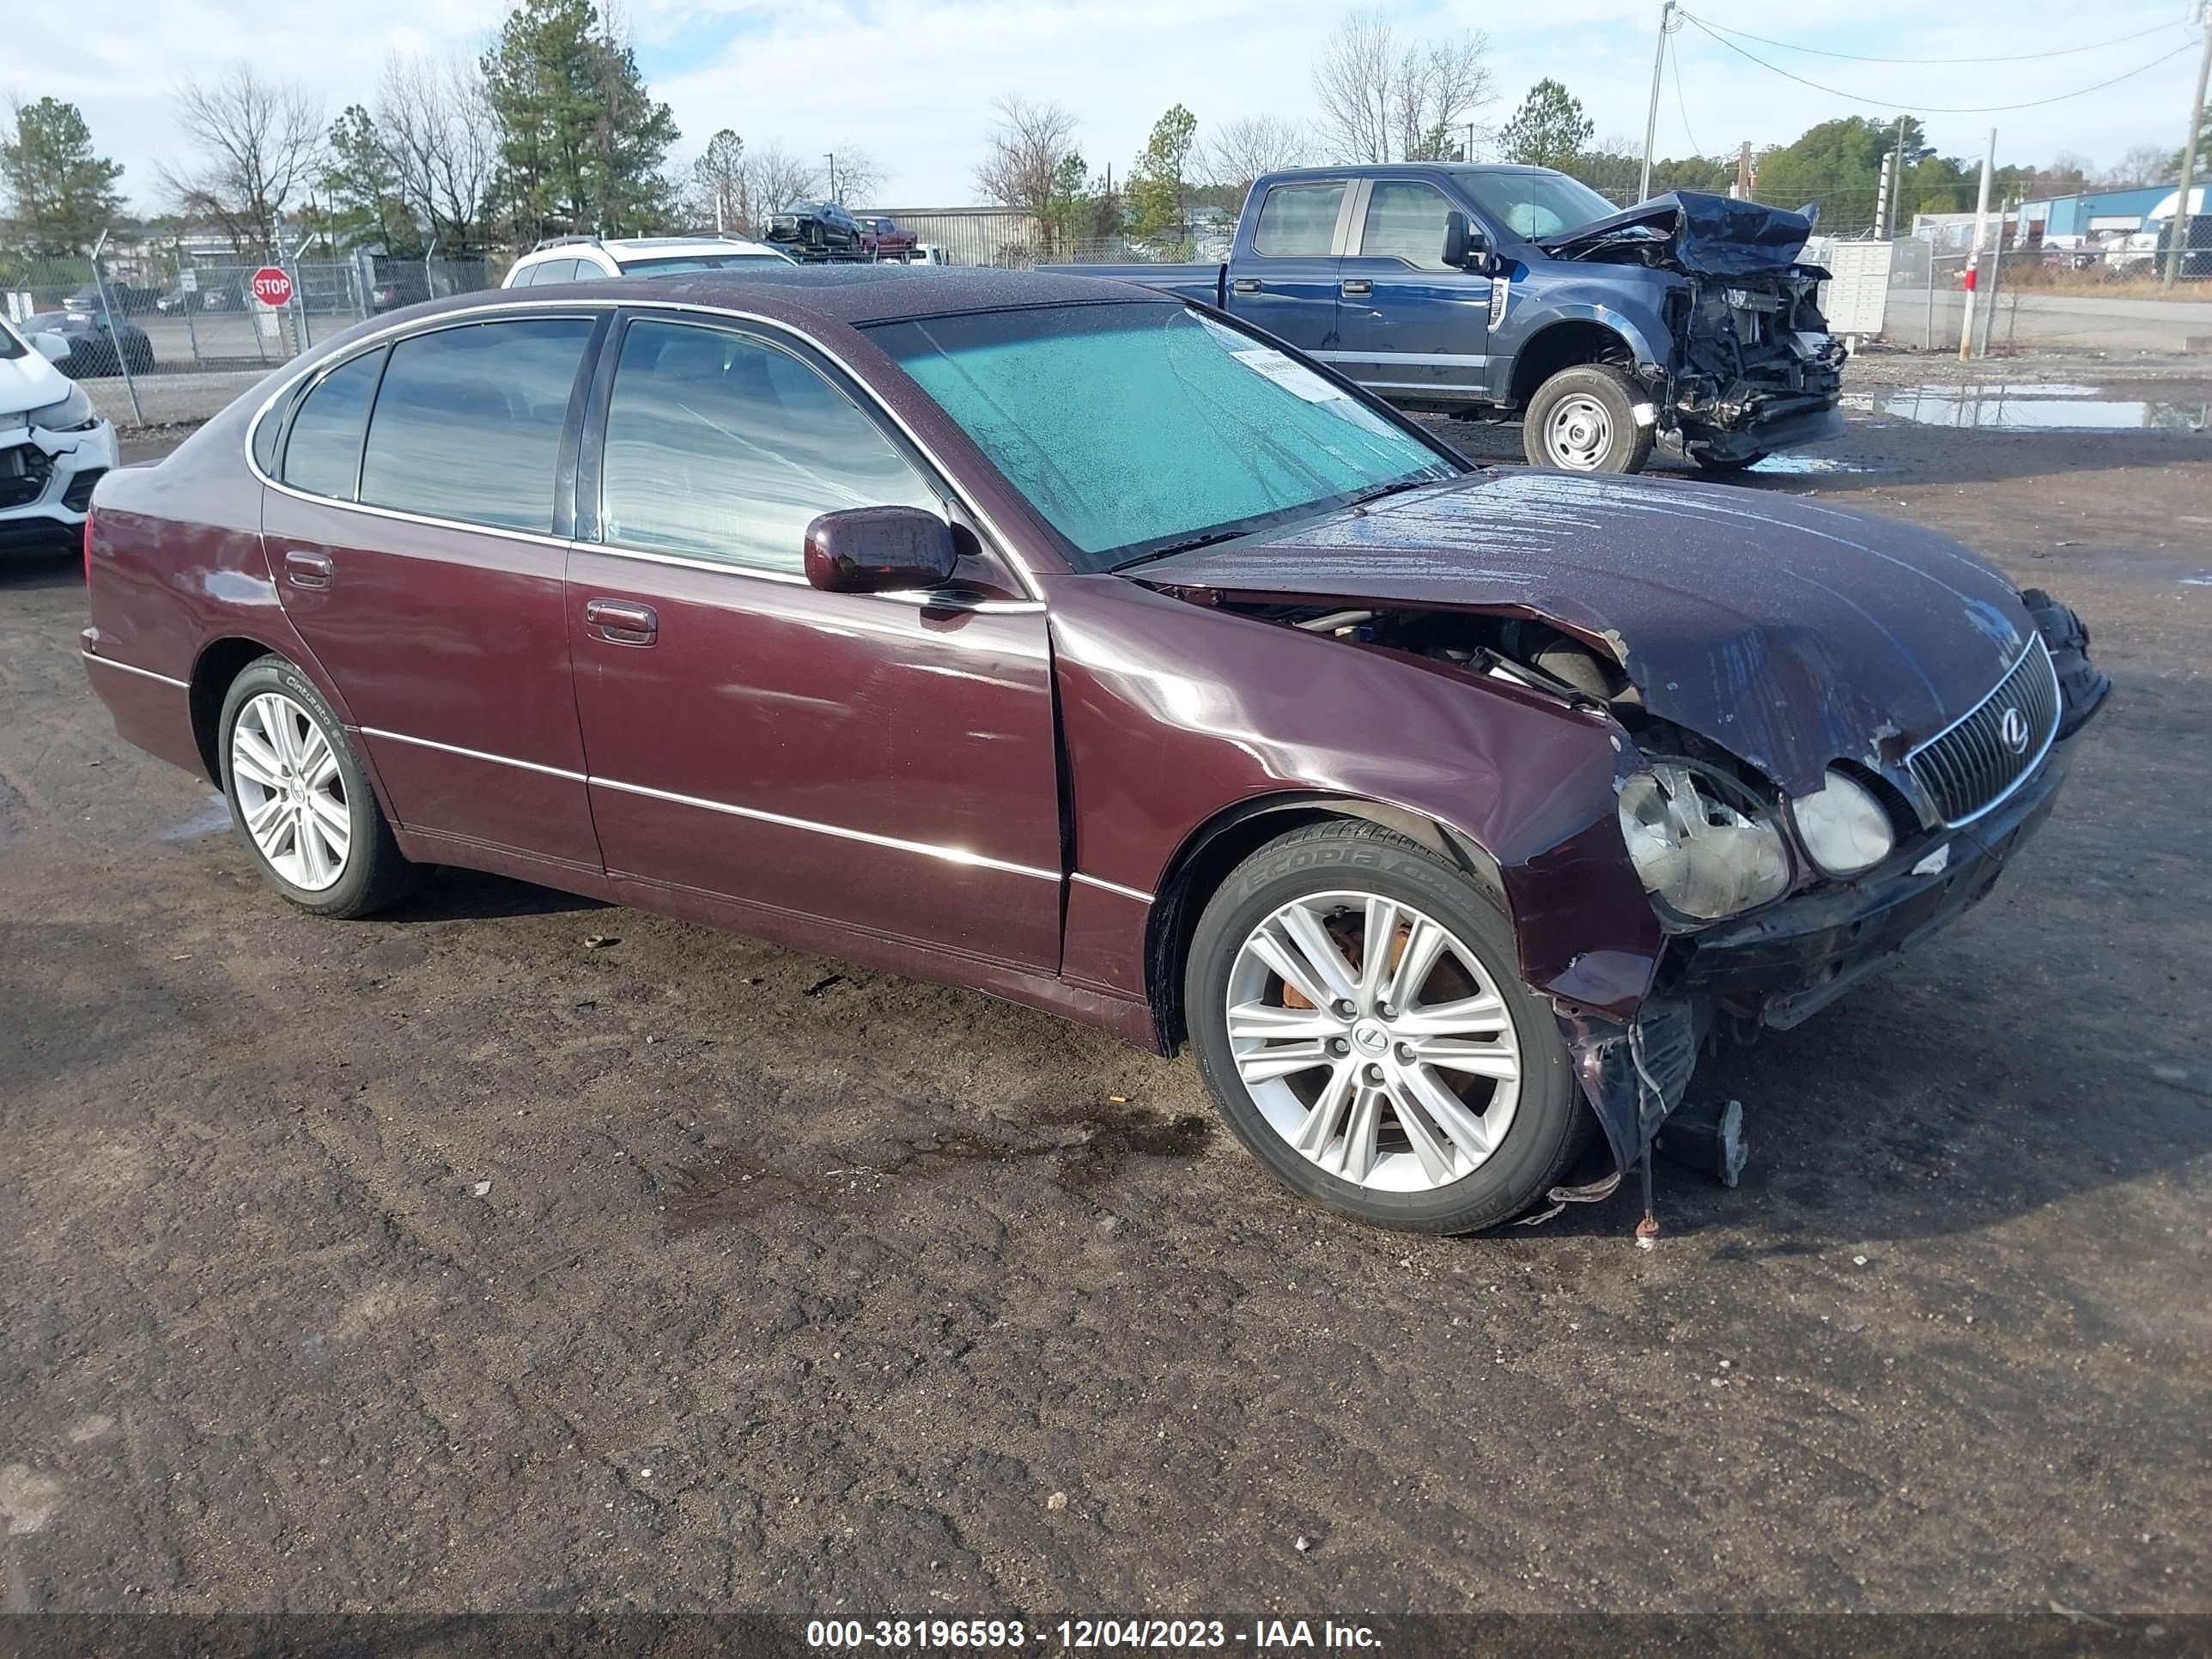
(1776, 968)
(45, 484)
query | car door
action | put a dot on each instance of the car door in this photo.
(1286, 282)
(411, 533)
(1407, 325)
(883, 763)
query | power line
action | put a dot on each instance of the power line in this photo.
(1856, 58)
(1940, 109)
(1675, 61)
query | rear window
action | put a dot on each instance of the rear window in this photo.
(468, 422)
(678, 262)
(1298, 221)
(322, 456)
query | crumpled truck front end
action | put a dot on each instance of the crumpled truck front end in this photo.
(1757, 369)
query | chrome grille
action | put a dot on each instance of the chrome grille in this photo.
(1974, 764)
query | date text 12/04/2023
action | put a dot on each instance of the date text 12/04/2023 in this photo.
(1084, 1635)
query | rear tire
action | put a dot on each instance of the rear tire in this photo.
(1583, 420)
(300, 799)
(1444, 1101)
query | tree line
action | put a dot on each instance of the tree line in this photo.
(553, 130)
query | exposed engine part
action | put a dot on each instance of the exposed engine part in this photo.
(1528, 653)
(1708, 1138)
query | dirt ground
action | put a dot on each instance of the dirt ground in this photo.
(447, 1261)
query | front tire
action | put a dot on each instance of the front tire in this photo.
(1583, 420)
(1354, 1006)
(1708, 462)
(300, 799)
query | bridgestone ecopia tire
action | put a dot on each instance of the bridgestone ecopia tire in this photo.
(1337, 868)
(372, 872)
(1583, 420)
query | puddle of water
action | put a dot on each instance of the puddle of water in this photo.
(1805, 463)
(2039, 406)
(212, 819)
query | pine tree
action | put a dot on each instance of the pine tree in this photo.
(60, 194)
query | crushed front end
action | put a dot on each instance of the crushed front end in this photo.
(1757, 369)
(1958, 807)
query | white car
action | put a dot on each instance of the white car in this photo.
(589, 260)
(54, 445)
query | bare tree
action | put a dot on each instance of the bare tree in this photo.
(1022, 165)
(259, 143)
(437, 128)
(860, 175)
(2143, 164)
(1251, 145)
(770, 178)
(1381, 102)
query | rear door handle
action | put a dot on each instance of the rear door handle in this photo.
(1358, 287)
(620, 621)
(1245, 285)
(308, 570)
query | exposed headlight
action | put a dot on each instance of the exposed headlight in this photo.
(1701, 855)
(1843, 827)
(73, 413)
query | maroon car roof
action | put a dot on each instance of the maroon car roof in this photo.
(855, 294)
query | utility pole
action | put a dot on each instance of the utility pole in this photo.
(1651, 115)
(1974, 259)
(1743, 185)
(1896, 183)
(2185, 222)
(832, 159)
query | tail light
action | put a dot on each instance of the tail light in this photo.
(87, 546)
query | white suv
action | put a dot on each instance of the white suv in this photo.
(588, 259)
(54, 445)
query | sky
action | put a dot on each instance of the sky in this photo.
(913, 81)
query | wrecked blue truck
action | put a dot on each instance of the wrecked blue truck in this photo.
(1516, 293)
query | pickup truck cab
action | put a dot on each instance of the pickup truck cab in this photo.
(1494, 293)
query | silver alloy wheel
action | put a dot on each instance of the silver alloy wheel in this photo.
(1345, 1012)
(1578, 432)
(290, 792)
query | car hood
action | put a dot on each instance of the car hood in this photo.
(1714, 235)
(1791, 633)
(30, 382)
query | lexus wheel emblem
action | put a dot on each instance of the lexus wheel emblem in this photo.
(2012, 728)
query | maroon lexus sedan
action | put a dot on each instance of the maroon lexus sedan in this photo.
(1082, 645)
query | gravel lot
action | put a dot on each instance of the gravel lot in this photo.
(798, 1287)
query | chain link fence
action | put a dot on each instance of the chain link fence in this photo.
(163, 335)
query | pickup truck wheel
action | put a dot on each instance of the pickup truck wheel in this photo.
(1355, 1006)
(1583, 420)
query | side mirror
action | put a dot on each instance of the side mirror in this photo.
(51, 347)
(879, 550)
(1458, 239)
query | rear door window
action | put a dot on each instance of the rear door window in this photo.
(322, 455)
(722, 446)
(468, 422)
(1405, 221)
(553, 270)
(1298, 221)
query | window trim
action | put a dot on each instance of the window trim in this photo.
(1357, 248)
(1351, 189)
(292, 414)
(590, 472)
(996, 542)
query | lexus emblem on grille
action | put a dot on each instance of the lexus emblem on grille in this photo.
(2012, 728)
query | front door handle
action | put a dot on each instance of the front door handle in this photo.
(620, 621)
(308, 570)
(1245, 285)
(1358, 287)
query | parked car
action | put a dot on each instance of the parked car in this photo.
(202, 297)
(589, 260)
(1069, 641)
(125, 298)
(54, 445)
(883, 238)
(821, 229)
(94, 347)
(1490, 291)
(928, 253)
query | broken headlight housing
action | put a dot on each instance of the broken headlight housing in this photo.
(73, 413)
(1844, 829)
(1700, 848)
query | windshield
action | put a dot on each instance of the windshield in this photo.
(1138, 428)
(1535, 205)
(681, 262)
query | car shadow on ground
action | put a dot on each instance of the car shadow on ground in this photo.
(32, 572)
(450, 894)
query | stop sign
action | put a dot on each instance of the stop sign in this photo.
(271, 286)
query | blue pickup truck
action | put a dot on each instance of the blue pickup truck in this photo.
(1502, 293)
